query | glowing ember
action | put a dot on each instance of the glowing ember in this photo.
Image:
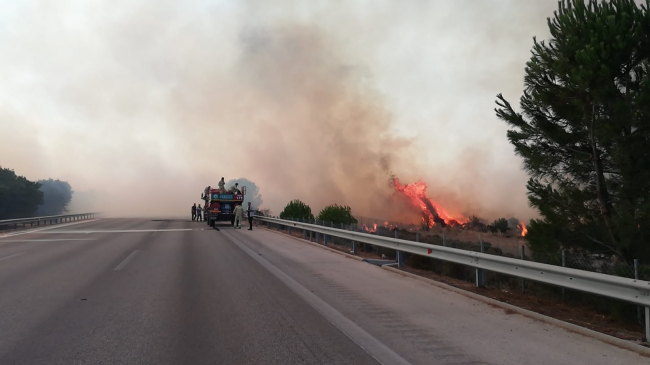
(432, 212)
(523, 228)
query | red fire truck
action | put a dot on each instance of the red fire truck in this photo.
(219, 206)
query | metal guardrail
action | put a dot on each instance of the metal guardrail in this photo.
(52, 219)
(625, 289)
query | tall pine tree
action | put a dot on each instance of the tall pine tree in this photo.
(584, 129)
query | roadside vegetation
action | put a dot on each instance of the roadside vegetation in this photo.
(21, 198)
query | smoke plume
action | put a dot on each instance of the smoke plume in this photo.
(146, 103)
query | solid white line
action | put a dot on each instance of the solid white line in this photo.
(10, 256)
(118, 231)
(52, 239)
(36, 230)
(126, 260)
(375, 348)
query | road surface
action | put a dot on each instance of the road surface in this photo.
(142, 291)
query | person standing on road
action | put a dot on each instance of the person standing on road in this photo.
(199, 217)
(251, 213)
(222, 186)
(239, 211)
(194, 211)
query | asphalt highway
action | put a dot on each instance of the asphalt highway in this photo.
(142, 291)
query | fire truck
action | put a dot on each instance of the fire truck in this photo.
(219, 206)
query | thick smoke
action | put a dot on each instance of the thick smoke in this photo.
(145, 104)
(315, 131)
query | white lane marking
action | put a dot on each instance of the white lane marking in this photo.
(126, 260)
(117, 231)
(375, 348)
(53, 239)
(10, 256)
(36, 230)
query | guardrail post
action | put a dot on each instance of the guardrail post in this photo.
(291, 219)
(480, 273)
(647, 324)
(354, 247)
(310, 236)
(417, 237)
(324, 236)
(304, 232)
(564, 265)
(400, 254)
(523, 282)
(636, 277)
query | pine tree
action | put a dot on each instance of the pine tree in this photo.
(584, 129)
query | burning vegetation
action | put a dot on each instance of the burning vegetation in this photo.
(432, 212)
(522, 227)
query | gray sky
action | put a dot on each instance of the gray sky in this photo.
(148, 102)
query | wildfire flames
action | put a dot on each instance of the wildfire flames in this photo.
(432, 212)
(522, 227)
(369, 230)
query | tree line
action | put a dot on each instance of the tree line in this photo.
(21, 198)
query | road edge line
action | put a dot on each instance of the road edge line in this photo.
(20, 233)
(362, 338)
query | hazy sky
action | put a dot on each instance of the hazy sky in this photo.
(148, 102)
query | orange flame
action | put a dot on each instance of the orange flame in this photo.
(523, 228)
(433, 213)
(373, 230)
